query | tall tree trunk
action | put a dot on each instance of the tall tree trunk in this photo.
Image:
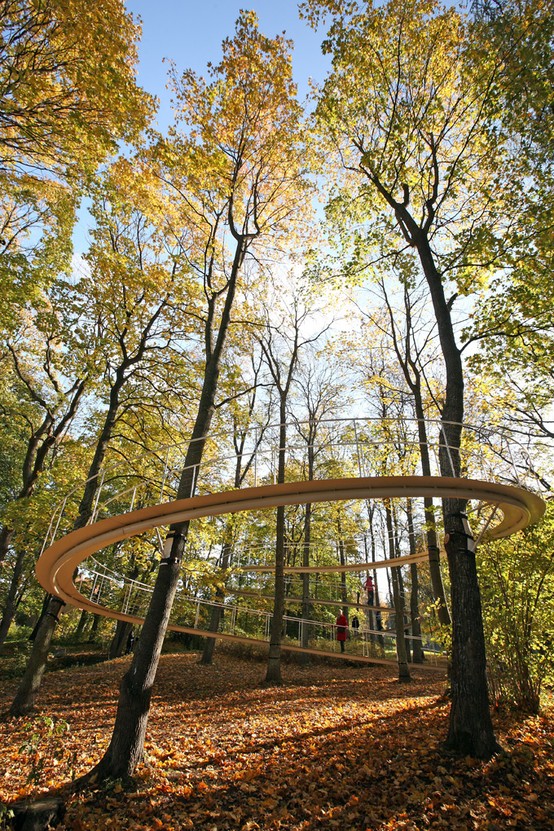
(371, 614)
(470, 730)
(430, 521)
(406, 626)
(417, 645)
(342, 561)
(273, 674)
(417, 648)
(29, 687)
(127, 742)
(306, 549)
(10, 606)
(306, 603)
(401, 653)
(217, 611)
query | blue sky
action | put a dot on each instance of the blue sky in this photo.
(190, 33)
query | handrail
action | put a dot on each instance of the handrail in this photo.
(106, 585)
(216, 472)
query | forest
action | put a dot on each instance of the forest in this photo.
(305, 339)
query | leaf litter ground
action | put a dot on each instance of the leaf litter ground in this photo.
(334, 747)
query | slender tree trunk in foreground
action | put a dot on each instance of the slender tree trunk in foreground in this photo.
(306, 604)
(29, 687)
(273, 674)
(470, 728)
(11, 604)
(417, 648)
(471, 731)
(403, 669)
(217, 611)
(127, 742)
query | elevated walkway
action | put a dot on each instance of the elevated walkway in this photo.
(105, 592)
(498, 503)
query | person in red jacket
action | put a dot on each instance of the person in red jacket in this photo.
(342, 627)
(369, 587)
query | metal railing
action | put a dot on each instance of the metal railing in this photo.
(121, 594)
(363, 446)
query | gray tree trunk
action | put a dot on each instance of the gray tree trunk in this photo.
(401, 652)
(29, 687)
(10, 606)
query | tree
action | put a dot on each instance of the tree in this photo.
(235, 175)
(67, 84)
(281, 345)
(410, 346)
(243, 417)
(517, 576)
(321, 396)
(513, 323)
(120, 317)
(46, 389)
(68, 93)
(401, 110)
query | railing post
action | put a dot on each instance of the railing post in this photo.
(360, 468)
(256, 446)
(62, 510)
(97, 499)
(164, 474)
(514, 464)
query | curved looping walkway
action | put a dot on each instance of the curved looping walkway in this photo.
(57, 564)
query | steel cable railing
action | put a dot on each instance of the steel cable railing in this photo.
(362, 446)
(130, 597)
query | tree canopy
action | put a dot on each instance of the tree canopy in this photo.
(221, 330)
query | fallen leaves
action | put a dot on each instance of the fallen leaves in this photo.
(335, 747)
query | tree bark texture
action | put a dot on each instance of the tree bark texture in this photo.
(119, 641)
(29, 687)
(10, 606)
(470, 729)
(401, 653)
(127, 743)
(273, 674)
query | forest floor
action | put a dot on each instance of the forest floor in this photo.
(334, 747)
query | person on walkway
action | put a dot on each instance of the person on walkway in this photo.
(368, 586)
(342, 627)
(355, 625)
(130, 643)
